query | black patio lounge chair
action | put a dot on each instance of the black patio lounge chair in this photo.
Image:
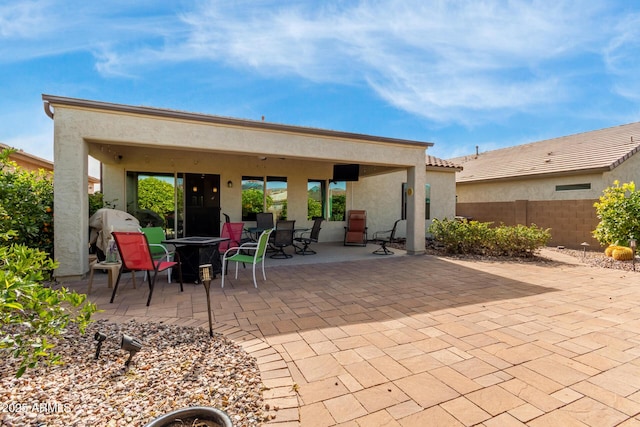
(305, 238)
(282, 237)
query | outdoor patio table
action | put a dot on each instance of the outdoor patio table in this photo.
(255, 232)
(195, 251)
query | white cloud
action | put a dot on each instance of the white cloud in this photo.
(441, 60)
(22, 19)
(622, 56)
(444, 60)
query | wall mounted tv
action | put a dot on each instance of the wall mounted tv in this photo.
(346, 172)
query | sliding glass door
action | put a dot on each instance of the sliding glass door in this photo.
(183, 204)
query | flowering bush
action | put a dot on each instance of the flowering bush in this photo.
(619, 212)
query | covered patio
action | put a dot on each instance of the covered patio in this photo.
(212, 159)
(414, 341)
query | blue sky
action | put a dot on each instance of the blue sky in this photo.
(455, 73)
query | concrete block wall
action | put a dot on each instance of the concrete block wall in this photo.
(571, 221)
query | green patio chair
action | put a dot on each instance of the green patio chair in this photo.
(242, 254)
(155, 237)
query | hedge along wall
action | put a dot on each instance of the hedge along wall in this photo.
(571, 221)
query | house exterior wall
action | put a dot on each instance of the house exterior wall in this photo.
(443, 194)
(543, 188)
(146, 142)
(382, 196)
(628, 171)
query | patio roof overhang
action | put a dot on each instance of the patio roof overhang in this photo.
(122, 136)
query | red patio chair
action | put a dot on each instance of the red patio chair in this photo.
(355, 233)
(232, 230)
(135, 255)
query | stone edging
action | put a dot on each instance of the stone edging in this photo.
(280, 394)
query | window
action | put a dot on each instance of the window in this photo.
(337, 200)
(276, 196)
(252, 197)
(316, 198)
(259, 195)
(571, 187)
(427, 201)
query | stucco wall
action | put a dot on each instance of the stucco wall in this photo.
(443, 194)
(382, 195)
(531, 189)
(628, 171)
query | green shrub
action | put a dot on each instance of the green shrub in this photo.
(27, 201)
(619, 212)
(473, 237)
(30, 312)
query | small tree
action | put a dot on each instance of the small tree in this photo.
(156, 195)
(252, 201)
(619, 212)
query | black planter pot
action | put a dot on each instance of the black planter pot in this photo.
(202, 412)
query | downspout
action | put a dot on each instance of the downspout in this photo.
(47, 109)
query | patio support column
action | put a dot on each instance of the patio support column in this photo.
(71, 201)
(416, 178)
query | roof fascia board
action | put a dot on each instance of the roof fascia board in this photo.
(536, 176)
(225, 121)
(444, 168)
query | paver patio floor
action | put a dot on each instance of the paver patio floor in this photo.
(424, 341)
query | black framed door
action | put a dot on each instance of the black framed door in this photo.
(202, 205)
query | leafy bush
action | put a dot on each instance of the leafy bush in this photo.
(27, 199)
(473, 237)
(31, 313)
(619, 212)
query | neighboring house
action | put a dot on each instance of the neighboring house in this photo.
(552, 183)
(33, 163)
(213, 162)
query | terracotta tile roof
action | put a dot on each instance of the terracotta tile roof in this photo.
(441, 163)
(599, 150)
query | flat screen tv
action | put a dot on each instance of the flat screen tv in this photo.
(346, 172)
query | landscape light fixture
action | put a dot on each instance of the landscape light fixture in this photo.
(584, 249)
(206, 271)
(131, 345)
(100, 337)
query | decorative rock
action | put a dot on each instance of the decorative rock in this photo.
(176, 367)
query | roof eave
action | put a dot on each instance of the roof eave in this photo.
(537, 175)
(219, 120)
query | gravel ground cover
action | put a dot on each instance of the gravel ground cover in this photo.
(176, 367)
(591, 258)
(600, 260)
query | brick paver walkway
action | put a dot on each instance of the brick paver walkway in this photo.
(424, 341)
